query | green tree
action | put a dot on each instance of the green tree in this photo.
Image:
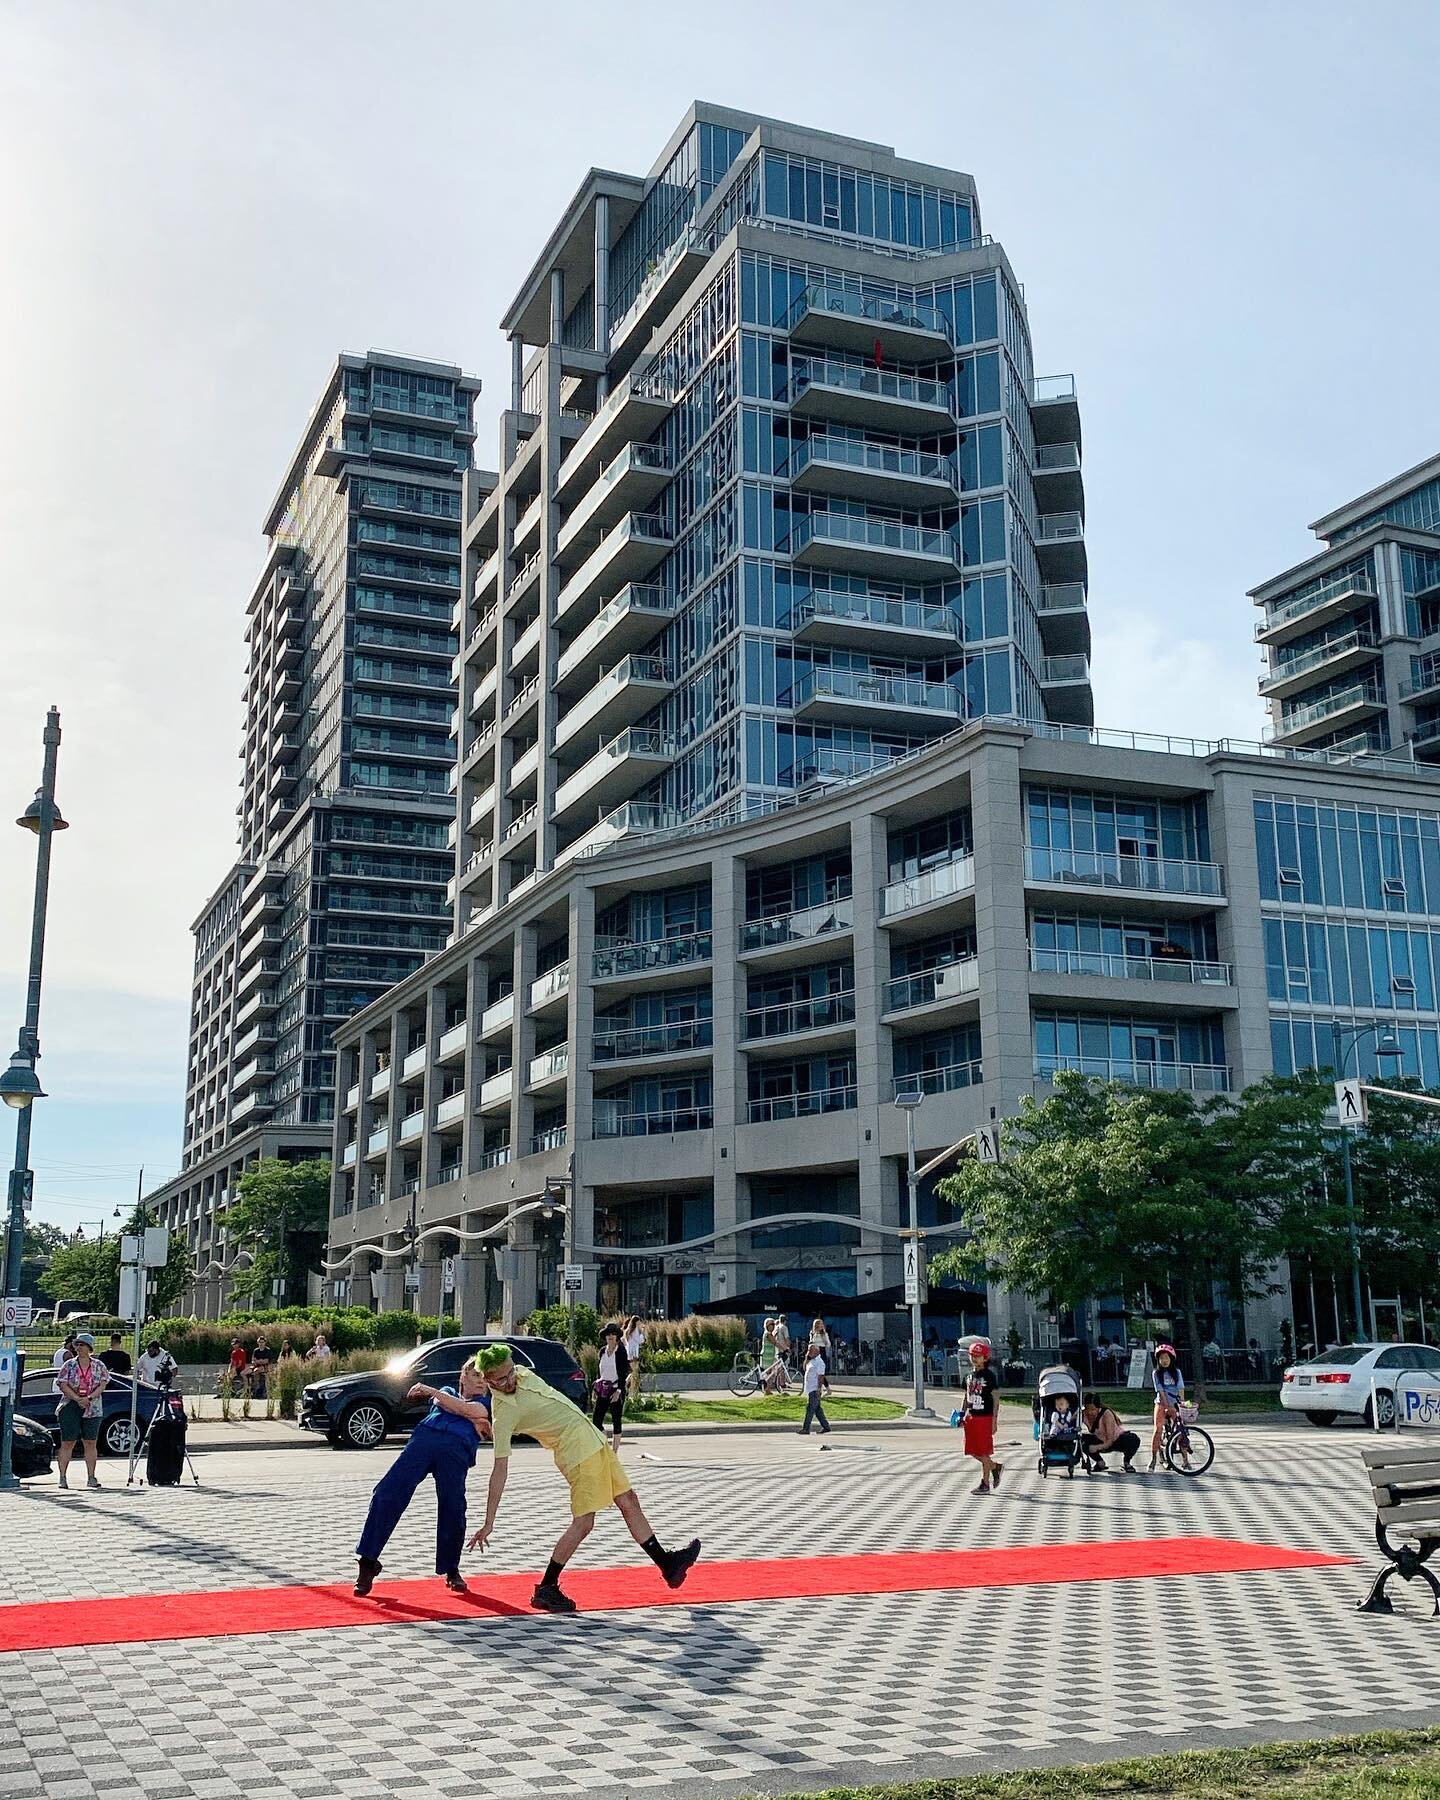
(1105, 1189)
(40, 1244)
(1395, 1162)
(281, 1215)
(90, 1272)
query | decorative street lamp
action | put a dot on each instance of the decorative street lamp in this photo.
(19, 1085)
(910, 1100)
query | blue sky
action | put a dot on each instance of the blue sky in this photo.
(1223, 216)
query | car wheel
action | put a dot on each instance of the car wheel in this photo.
(1320, 1418)
(362, 1426)
(1384, 1405)
(115, 1438)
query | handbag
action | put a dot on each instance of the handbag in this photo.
(604, 1392)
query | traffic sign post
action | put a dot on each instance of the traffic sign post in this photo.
(1350, 1102)
(17, 1313)
(987, 1144)
(572, 1277)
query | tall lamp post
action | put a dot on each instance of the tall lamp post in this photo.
(909, 1101)
(1388, 1049)
(555, 1186)
(19, 1085)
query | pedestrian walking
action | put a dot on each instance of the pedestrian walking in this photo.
(634, 1341)
(522, 1404)
(608, 1393)
(774, 1376)
(442, 1446)
(117, 1358)
(819, 1340)
(980, 1416)
(815, 1382)
(82, 1381)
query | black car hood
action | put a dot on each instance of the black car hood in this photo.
(342, 1382)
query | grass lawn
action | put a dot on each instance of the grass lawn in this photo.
(1381, 1765)
(769, 1409)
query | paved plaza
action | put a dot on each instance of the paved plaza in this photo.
(752, 1697)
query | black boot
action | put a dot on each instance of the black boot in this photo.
(677, 1563)
(548, 1598)
(365, 1580)
(456, 1582)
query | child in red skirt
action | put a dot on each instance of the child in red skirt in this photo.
(981, 1413)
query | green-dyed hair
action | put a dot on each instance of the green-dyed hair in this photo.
(492, 1356)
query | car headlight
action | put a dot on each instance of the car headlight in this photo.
(321, 1393)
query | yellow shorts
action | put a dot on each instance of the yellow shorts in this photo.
(595, 1483)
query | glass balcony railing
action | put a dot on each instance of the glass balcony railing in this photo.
(1113, 965)
(769, 1110)
(551, 985)
(881, 459)
(496, 1158)
(820, 297)
(451, 1108)
(814, 1014)
(614, 1118)
(1052, 387)
(1285, 668)
(1060, 527)
(1051, 459)
(1296, 718)
(954, 877)
(943, 1080)
(875, 609)
(950, 981)
(612, 1043)
(637, 958)
(1144, 874)
(799, 927)
(858, 378)
(550, 1063)
(1056, 669)
(872, 534)
(1199, 1078)
(555, 1138)
(883, 690)
(1321, 593)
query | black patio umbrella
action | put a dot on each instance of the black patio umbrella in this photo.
(782, 1299)
(943, 1303)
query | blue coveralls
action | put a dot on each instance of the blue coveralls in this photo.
(443, 1445)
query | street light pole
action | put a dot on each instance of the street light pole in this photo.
(19, 1086)
(909, 1104)
(1387, 1048)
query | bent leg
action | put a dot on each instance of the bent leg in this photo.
(393, 1493)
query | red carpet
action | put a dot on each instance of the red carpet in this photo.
(241, 1612)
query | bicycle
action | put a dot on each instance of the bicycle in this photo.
(1185, 1447)
(747, 1377)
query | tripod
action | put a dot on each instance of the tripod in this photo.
(167, 1401)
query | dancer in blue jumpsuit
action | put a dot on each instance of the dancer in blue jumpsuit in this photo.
(442, 1445)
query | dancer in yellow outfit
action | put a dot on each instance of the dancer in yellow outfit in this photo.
(521, 1404)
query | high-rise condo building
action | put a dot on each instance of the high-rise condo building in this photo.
(1352, 634)
(346, 809)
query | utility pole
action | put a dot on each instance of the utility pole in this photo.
(20, 1086)
(909, 1104)
(412, 1290)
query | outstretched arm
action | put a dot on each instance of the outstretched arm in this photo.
(493, 1494)
(451, 1403)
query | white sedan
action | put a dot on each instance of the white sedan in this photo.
(1339, 1382)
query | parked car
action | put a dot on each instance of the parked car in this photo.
(1338, 1383)
(40, 1402)
(31, 1447)
(357, 1412)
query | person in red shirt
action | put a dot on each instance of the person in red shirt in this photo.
(238, 1362)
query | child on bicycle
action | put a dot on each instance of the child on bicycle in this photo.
(1169, 1385)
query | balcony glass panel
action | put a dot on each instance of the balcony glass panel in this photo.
(614, 1118)
(799, 927)
(1097, 868)
(947, 982)
(803, 1106)
(658, 953)
(800, 1015)
(1200, 1078)
(935, 884)
(611, 1044)
(1179, 969)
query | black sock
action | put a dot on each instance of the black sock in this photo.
(652, 1549)
(553, 1571)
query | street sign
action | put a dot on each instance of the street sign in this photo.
(912, 1272)
(1350, 1102)
(1417, 1400)
(412, 1281)
(987, 1144)
(1135, 1374)
(17, 1313)
(448, 1275)
(572, 1277)
(132, 1291)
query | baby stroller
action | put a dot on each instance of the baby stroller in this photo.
(1062, 1450)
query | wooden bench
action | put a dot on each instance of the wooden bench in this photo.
(1405, 1479)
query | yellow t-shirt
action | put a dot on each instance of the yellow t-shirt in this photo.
(536, 1410)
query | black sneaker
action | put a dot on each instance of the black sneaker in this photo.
(548, 1598)
(677, 1564)
(456, 1582)
(365, 1580)
(996, 1471)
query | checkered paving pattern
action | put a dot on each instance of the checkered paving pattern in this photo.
(725, 1700)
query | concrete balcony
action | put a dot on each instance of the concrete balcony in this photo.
(679, 1042)
(1059, 486)
(634, 818)
(633, 413)
(1064, 619)
(482, 809)
(1352, 706)
(1055, 410)
(878, 548)
(524, 701)
(875, 623)
(856, 394)
(377, 1144)
(637, 614)
(851, 697)
(527, 575)
(824, 1021)
(1320, 603)
(348, 1155)
(453, 1042)
(946, 881)
(629, 551)
(483, 698)
(523, 824)
(253, 1106)
(497, 1018)
(497, 1092)
(527, 531)
(549, 1069)
(352, 1098)
(615, 772)
(836, 319)
(627, 961)
(616, 1118)
(411, 1126)
(1150, 983)
(1349, 650)
(413, 1067)
(953, 986)
(380, 1082)
(878, 473)
(1198, 1078)
(525, 648)
(1060, 547)
(450, 1112)
(659, 292)
(248, 1073)
(258, 971)
(622, 695)
(1161, 878)
(1065, 686)
(799, 930)
(524, 769)
(549, 992)
(630, 483)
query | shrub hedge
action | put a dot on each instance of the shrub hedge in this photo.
(346, 1330)
(689, 1346)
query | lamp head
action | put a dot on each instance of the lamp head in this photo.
(31, 818)
(1388, 1047)
(19, 1085)
(908, 1099)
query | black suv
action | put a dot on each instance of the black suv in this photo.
(357, 1412)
